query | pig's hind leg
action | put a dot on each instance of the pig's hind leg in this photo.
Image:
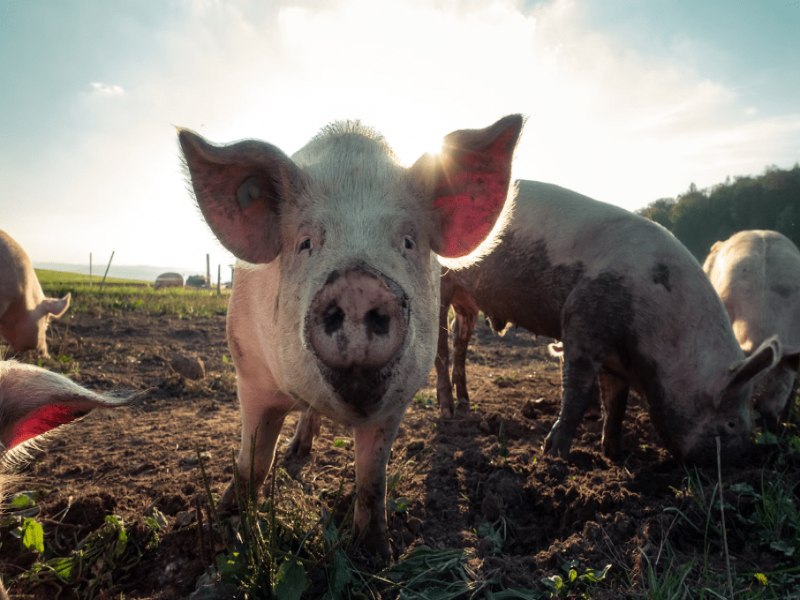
(308, 427)
(614, 395)
(594, 319)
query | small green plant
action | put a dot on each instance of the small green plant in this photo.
(573, 582)
(668, 582)
(102, 561)
(424, 400)
(496, 533)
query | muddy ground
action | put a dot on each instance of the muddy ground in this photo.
(479, 472)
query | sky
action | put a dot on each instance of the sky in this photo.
(627, 101)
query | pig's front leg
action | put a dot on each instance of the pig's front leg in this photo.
(373, 445)
(466, 318)
(579, 380)
(263, 414)
(444, 388)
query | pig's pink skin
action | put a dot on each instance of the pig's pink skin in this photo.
(24, 310)
(757, 275)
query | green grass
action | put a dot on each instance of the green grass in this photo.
(127, 295)
(57, 278)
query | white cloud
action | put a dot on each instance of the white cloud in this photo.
(106, 89)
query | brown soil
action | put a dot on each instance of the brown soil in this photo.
(482, 467)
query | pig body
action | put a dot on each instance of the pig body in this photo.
(24, 310)
(33, 401)
(757, 275)
(337, 308)
(632, 307)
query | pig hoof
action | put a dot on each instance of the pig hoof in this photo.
(446, 405)
(556, 445)
(612, 451)
(229, 503)
(298, 449)
(375, 552)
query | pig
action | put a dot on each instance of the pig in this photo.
(25, 312)
(34, 401)
(757, 275)
(335, 306)
(632, 307)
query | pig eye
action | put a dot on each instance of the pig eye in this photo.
(305, 244)
(408, 243)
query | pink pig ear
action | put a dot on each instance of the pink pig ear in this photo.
(33, 401)
(469, 180)
(240, 189)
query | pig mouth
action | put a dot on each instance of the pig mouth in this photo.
(361, 388)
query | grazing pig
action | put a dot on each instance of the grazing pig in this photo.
(32, 402)
(757, 275)
(24, 310)
(338, 309)
(632, 307)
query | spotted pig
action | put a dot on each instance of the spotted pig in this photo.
(632, 307)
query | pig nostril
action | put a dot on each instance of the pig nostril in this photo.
(376, 322)
(332, 319)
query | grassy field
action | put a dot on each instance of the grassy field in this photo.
(88, 296)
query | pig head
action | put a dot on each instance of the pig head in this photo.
(337, 306)
(25, 312)
(757, 275)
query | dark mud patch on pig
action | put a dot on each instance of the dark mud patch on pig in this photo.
(477, 482)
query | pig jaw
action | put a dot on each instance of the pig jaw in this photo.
(773, 393)
(694, 439)
(357, 328)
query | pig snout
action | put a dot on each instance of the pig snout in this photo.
(358, 320)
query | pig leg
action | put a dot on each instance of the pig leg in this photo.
(466, 317)
(444, 389)
(614, 396)
(307, 429)
(262, 419)
(579, 385)
(373, 444)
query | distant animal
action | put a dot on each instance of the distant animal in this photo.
(757, 275)
(167, 280)
(25, 312)
(337, 308)
(33, 401)
(632, 308)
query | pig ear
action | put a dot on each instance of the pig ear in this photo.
(33, 401)
(240, 189)
(469, 182)
(766, 356)
(56, 307)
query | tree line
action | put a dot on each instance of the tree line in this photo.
(698, 218)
